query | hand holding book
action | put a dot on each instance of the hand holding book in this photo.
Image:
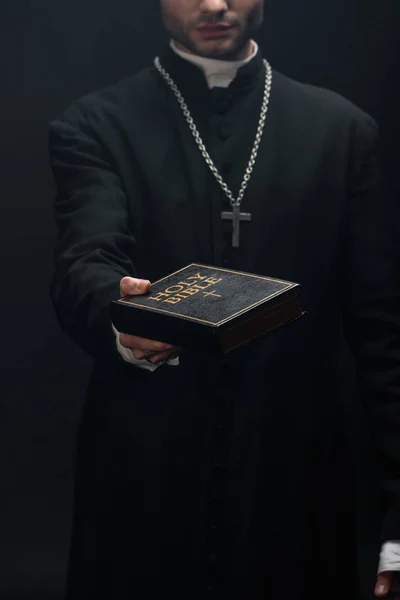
(142, 348)
(204, 308)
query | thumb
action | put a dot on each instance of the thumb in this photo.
(130, 286)
(383, 584)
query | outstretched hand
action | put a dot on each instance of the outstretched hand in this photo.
(141, 348)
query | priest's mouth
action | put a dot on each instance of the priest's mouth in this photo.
(214, 31)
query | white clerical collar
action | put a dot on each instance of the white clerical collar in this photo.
(219, 73)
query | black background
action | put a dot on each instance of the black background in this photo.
(52, 51)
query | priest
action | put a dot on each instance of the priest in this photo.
(199, 477)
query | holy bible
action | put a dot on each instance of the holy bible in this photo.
(208, 308)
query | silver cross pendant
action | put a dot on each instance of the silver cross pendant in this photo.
(236, 217)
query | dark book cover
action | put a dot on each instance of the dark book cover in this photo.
(208, 308)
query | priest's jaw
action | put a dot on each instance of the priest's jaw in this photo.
(216, 29)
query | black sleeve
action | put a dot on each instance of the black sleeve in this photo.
(95, 246)
(372, 309)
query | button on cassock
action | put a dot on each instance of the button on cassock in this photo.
(223, 106)
(223, 132)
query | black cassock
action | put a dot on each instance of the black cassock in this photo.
(233, 478)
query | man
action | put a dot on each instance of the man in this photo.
(207, 478)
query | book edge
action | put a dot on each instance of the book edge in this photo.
(215, 324)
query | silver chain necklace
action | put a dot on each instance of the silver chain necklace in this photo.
(235, 216)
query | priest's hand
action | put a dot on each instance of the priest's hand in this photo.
(141, 348)
(384, 586)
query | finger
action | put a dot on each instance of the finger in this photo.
(160, 357)
(137, 343)
(140, 355)
(171, 354)
(129, 286)
(383, 584)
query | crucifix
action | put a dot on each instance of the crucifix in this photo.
(236, 217)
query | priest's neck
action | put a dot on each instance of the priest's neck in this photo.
(218, 73)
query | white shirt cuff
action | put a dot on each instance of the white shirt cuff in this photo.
(144, 364)
(390, 557)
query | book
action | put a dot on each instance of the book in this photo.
(208, 308)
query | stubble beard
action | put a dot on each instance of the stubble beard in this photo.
(213, 49)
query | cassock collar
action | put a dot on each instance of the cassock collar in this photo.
(219, 73)
(191, 80)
